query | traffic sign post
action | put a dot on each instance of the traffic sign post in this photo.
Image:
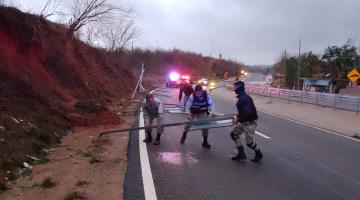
(354, 75)
(226, 75)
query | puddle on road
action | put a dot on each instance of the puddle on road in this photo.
(177, 158)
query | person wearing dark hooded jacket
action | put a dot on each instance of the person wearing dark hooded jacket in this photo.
(245, 122)
(187, 89)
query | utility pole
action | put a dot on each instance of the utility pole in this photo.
(140, 82)
(285, 63)
(298, 72)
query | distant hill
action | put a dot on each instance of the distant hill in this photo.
(261, 66)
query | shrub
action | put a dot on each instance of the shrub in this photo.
(47, 183)
(76, 196)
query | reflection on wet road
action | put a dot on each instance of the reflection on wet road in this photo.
(177, 158)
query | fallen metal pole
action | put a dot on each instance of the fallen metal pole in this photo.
(167, 110)
(199, 122)
(216, 88)
(160, 90)
(163, 95)
(172, 104)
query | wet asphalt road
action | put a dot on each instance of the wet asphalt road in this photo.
(299, 163)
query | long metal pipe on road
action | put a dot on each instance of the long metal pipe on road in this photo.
(199, 122)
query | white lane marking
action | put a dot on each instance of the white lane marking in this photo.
(262, 135)
(148, 182)
(298, 122)
(312, 126)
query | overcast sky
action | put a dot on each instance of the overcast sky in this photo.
(248, 31)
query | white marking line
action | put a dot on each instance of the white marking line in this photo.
(262, 135)
(298, 122)
(148, 182)
(256, 132)
(309, 125)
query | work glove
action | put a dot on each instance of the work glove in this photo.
(189, 117)
(235, 120)
(212, 114)
(161, 116)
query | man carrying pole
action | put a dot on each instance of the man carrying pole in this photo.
(245, 122)
(199, 106)
(152, 108)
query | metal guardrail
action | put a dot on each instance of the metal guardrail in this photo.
(335, 101)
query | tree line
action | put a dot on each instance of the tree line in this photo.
(335, 63)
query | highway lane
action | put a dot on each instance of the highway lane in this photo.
(300, 163)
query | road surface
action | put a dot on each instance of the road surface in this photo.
(299, 162)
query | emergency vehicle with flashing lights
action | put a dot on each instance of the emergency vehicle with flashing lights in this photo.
(175, 79)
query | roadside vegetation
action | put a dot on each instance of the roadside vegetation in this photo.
(335, 63)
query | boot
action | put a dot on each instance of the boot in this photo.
(183, 137)
(258, 156)
(148, 138)
(205, 143)
(157, 140)
(241, 155)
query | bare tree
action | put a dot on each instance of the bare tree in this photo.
(49, 9)
(85, 12)
(7, 3)
(102, 24)
(119, 35)
(92, 34)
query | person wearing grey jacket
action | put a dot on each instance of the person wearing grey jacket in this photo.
(152, 108)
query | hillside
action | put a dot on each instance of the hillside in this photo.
(51, 82)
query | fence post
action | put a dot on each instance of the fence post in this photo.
(263, 92)
(334, 106)
(270, 95)
(289, 96)
(317, 98)
(301, 97)
(279, 93)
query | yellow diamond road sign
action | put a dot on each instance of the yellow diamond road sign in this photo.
(354, 75)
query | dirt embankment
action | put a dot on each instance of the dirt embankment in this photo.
(49, 83)
(83, 166)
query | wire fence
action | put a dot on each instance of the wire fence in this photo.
(336, 101)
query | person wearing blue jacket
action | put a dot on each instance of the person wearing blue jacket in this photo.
(199, 107)
(245, 122)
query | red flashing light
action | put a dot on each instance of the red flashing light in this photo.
(185, 77)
